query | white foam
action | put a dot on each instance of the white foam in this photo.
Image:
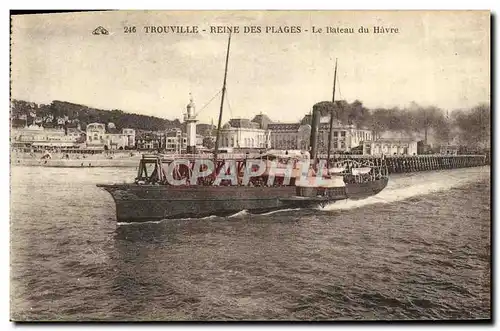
(135, 223)
(279, 211)
(239, 214)
(208, 217)
(408, 186)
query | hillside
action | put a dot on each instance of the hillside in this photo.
(58, 113)
(471, 127)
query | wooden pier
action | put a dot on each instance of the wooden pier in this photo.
(401, 164)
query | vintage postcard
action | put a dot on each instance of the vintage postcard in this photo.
(250, 166)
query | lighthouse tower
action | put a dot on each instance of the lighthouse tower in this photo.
(190, 119)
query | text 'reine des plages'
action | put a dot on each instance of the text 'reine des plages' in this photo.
(257, 29)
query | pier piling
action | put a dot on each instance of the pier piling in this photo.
(416, 163)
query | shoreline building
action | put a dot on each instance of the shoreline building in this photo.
(150, 140)
(345, 137)
(449, 149)
(390, 146)
(297, 135)
(176, 142)
(292, 136)
(241, 133)
(100, 138)
(38, 137)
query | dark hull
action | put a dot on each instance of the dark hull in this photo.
(141, 203)
(360, 191)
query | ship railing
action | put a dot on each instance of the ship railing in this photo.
(339, 157)
(376, 173)
(222, 156)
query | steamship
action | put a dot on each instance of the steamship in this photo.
(166, 187)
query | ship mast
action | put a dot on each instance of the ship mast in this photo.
(331, 114)
(222, 101)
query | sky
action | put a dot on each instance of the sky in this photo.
(436, 58)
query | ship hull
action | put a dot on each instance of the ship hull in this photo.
(142, 203)
(359, 191)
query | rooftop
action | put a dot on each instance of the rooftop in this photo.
(284, 126)
(241, 123)
(394, 140)
(262, 120)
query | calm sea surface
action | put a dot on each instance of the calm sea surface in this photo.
(418, 250)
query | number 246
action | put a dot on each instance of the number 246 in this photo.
(129, 29)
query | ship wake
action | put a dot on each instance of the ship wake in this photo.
(404, 187)
(280, 211)
(241, 213)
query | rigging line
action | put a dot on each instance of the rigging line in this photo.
(206, 105)
(228, 104)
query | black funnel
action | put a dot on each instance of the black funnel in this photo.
(316, 115)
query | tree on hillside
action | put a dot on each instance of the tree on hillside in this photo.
(208, 142)
(425, 118)
(358, 114)
(379, 121)
(85, 115)
(22, 108)
(474, 125)
(342, 111)
(442, 129)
